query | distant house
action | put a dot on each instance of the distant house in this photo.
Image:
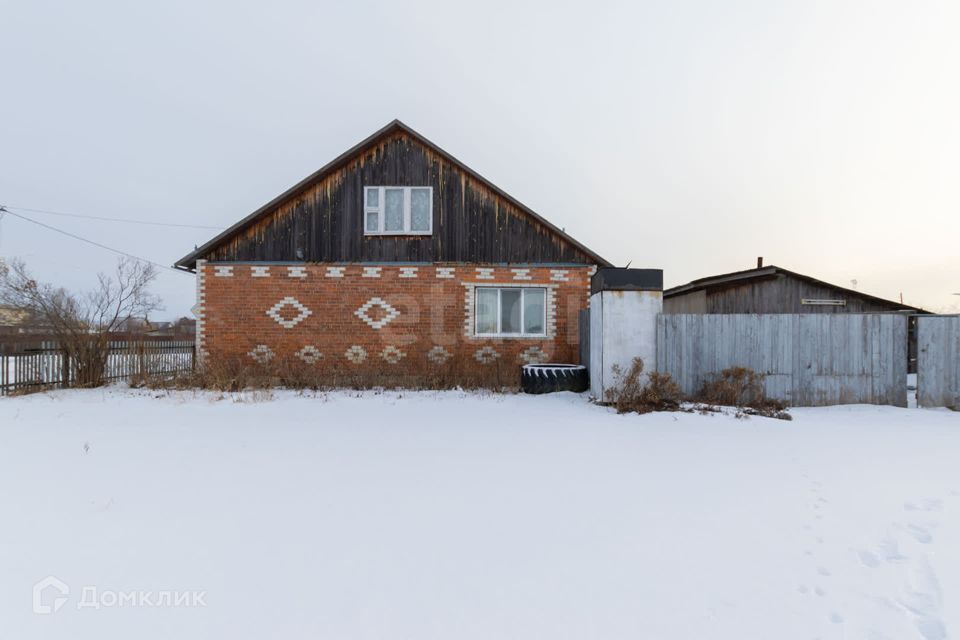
(395, 262)
(772, 289)
(17, 321)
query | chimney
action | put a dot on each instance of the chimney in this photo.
(760, 262)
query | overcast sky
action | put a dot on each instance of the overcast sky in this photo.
(690, 136)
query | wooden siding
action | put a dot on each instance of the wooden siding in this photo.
(778, 294)
(938, 365)
(471, 223)
(807, 360)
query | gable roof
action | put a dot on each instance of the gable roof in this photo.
(763, 273)
(188, 262)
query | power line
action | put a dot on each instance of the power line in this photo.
(4, 210)
(124, 220)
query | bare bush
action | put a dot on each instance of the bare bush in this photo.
(742, 388)
(82, 323)
(634, 394)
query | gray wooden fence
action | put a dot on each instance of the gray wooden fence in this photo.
(35, 366)
(807, 359)
(938, 361)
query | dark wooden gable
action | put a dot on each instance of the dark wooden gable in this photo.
(321, 219)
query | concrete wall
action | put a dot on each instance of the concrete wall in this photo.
(623, 326)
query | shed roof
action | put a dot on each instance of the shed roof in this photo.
(769, 272)
(188, 262)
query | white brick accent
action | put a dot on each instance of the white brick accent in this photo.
(260, 272)
(389, 313)
(559, 275)
(261, 353)
(335, 272)
(223, 271)
(392, 354)
(302, 312)
(534, 355)
(446, 272)
(309, 354)
(408, 272)
(355, 354)
(438, 355)
(484, 273)
(486, 355)
(372, 272)
(297, 272)
(199, 309)
(521, 274)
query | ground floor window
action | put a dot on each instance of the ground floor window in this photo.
(511, 311)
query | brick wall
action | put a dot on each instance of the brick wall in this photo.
(379, 324)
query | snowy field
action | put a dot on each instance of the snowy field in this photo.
(461, 516)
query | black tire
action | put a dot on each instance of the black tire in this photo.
(548, 378)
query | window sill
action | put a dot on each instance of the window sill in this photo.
(374, 234)
(511, 336)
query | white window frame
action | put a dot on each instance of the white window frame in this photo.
(523, 312)
(380, 210)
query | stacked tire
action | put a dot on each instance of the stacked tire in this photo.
(549, 378)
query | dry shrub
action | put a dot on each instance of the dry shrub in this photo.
(742, 388)
(660, 393)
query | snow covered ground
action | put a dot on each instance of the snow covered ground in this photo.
(460, 516)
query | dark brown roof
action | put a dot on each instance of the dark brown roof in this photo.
(189, 261)
(772, 271)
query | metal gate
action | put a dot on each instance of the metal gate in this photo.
(938, 361)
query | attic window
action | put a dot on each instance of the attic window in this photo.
(397, 211)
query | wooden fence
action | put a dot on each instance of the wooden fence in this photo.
(938, 361)
(807, 359)
(25, 366)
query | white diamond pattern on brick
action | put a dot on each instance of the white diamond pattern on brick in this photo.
(408, 272)
(261, 353)
(392, 354)
(390, 314)
(223, 271)
(486, 355)
(260, 272)
(356, 354)
(335, 272)
(438, 355)
(302, 312)
(310, 354)
(445, 272)
(372, 272)
(297, 272)
(534, 355)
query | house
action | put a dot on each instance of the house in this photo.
(394, 263)
(772, 289)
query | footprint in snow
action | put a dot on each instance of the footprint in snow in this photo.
(890, 551)
(923, 505)
(868, 559)
(920, 534)
(820, 591)
(823, 571)
(835, 617)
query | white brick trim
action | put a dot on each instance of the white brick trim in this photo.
(372, 272)
(335, 272)
(199, 310)
(484, 273)
(260, 271)
(446, 272)
(297, 272)
(223, 271)
(521, 274)
(408, 272)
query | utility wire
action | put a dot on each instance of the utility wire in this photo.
(124, 220)
(4, 210)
